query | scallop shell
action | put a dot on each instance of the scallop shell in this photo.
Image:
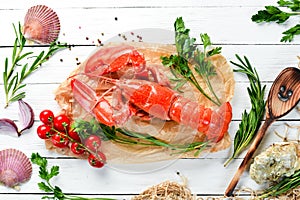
(41, 24)
(15, 167)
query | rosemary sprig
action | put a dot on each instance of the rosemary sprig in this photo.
(13, 78)
(187, 52)
(47, 175)
(152, 141)
(283, 186)
(275, 14)
(124, 136)
(250, 121)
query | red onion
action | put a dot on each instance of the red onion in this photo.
(8, 126)
(26, 116)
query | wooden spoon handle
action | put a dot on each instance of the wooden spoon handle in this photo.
(251, 151)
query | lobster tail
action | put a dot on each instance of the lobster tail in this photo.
(190, 114)
(212, 123)
(219, 124)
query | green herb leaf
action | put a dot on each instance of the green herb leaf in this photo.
(58, 193)
(271, 14)
(203, 67)
(184, 44)
(17, 97)
(38, 160)
(53, 172)
(44, 187)
(294, 5)
(188, 54)
(214, 51)
(46, 175)
(290, 33)
(250, 121)
(275, 14)
(205, 40)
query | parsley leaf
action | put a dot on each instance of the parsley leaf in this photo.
(294, 5)
(290, 33)
(188, 54)
(275, 14)
(46, 175)
(271, 13)
(44, 187)
(184, 44)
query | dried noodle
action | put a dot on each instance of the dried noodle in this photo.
(170, 190)
(166, 191)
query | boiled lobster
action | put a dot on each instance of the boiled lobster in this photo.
(158, 100)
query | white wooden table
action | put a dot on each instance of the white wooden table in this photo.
(83, 22)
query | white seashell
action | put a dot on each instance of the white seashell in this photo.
(41, 24)
(15, 167)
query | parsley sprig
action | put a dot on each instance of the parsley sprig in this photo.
(47, 175)
(124, 136)
(13, 78)
(250, 121)
(188, 53)
(275, 14)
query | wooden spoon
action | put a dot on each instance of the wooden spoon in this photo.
(284, 95)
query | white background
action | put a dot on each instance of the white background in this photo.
(229, 25)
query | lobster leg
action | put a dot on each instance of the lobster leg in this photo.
(100, 108)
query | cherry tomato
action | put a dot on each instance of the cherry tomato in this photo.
(74, 135)
(61, 122)
(93, 143)
(97, 160)
(44, 131)
(60, 140)
(47, 116)
(76, 149)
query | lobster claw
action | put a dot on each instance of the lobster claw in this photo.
(112, 59)
(89, 101)
(84, 95)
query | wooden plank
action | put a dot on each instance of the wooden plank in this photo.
(83, 22)
(78, 23)
(262, 57)
(19, 4)
(30, 142)
(105, 181)
(22, 196)
(132, 179)
(41, 96)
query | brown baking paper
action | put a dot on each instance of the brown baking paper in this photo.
(169, 131)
